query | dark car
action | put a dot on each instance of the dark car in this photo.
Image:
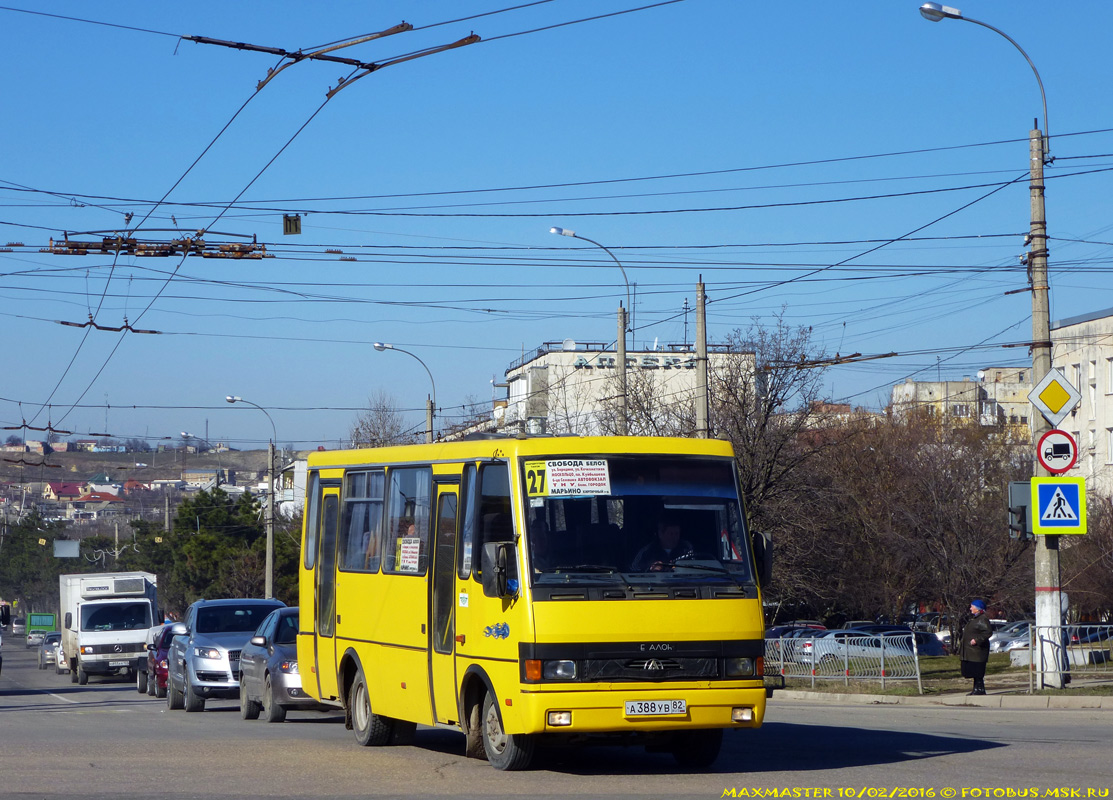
(269, 679)
(156, 660)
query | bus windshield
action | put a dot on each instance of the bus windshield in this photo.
(635, 520)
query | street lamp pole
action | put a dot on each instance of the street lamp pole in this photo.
(620, 353)
(1049, 611)
(431, 400)
(268, 590)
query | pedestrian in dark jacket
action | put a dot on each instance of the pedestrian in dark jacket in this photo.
(974, 652)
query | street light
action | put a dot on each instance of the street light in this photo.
(269, 576)
(1048, 609)
(431, 400)
(574, 235)
(622, 326)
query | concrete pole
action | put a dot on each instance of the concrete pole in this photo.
(1048, 594)
(428, 419)
(702, 401)
(624, 407)
(269, 590)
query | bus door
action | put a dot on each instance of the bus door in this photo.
(324, 643)
(442, 604)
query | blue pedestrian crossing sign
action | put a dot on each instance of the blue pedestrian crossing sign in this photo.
(1058, 505)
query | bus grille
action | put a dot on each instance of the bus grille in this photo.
(649, 669)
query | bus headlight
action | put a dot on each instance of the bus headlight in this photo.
(740, 667)
(558, 670)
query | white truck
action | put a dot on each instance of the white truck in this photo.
(105, 619)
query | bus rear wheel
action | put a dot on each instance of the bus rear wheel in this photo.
(505, 751)
(371, 729)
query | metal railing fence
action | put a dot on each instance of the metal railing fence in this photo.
(1082, 650)
(846, 657)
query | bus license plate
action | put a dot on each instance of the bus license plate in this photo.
(655, 708)
(117, 663)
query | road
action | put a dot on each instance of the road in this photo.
(107, 740)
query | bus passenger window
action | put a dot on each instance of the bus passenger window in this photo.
(363, 516)
(406, 548)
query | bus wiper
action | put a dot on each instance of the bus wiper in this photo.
(720, 569)
(601, 568)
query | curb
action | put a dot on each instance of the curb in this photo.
(1007, 701)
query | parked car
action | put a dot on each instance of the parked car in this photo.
(879, 628)
(270, 682)
(204, 657)
(836, 645)
(48, 648)
(858, 623)
(1008, 633)
(157, 651)
(926, 644)
(1088, 634)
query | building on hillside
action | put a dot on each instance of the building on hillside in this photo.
(84, 445)
(572, 387)
(204, 478)
(62, 491)
(132, 485)
(94, 506)
(999, 396)
(1082, 349)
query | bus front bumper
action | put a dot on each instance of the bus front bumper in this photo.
(570, 710)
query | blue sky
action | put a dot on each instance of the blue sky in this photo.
(437, 179)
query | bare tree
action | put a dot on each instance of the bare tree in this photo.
(764, 399)
(380, 425)
(1087, 563)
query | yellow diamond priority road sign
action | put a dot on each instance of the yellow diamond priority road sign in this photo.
(1054, 397)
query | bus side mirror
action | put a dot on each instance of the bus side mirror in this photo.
(5, 616)
(763, 555)
(69, 620)
(497, 561)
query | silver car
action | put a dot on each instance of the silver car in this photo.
(48, 653)
(204, 657)
(269, 678)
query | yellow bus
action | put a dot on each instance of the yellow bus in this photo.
(534, 589)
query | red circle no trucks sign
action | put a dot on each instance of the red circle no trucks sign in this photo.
(1057, 451)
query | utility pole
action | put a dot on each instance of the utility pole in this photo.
(269, 590)
(624, 407)
(1049, 609)
(702, 403)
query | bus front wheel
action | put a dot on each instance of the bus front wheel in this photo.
(371, 729)
(505, 751)
(697, 749)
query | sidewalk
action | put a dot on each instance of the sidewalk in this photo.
(991, 700)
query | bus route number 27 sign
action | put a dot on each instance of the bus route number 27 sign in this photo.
(1057, 451)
